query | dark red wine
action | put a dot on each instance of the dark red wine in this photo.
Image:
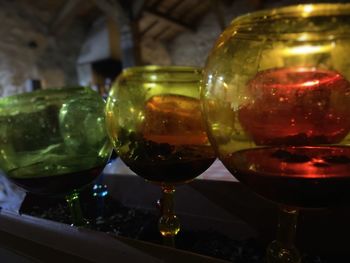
(172, 146)
(53, 183)
(296, 106)
(172, 165)
(309, 176)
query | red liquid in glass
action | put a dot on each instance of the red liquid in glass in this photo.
(307, 176)
(294, 113)
(297, 106)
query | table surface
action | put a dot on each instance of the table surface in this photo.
(216, 171)
(7, 255)
(319, 231)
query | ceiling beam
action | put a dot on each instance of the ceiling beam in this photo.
(149, 27)
(137, 8)
(114, 10)
(156, 3)
(64, 17)
(175, 5)
(167, 19)
(162, 32)
(219, 13)
(257, 4)
(126, 17)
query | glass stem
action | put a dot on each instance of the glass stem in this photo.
(283, 249)
(169, 224)
(73, 202)
(100, 191)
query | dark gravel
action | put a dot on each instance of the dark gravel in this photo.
(140, 224)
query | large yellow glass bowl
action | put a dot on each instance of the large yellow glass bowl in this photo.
(276, 97)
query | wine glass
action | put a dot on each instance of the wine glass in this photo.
(154, 121)
(276, 98)
(54, 142)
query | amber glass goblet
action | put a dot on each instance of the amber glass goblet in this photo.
(154, 121)
(276, 98)
(54, 142)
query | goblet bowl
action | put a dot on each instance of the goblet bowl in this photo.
(276, 97)
(53, 142)
(155, 123)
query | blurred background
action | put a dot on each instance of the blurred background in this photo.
(45, 44)
(54, 43)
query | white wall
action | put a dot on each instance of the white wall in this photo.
(52, 61)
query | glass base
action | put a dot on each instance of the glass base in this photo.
(276, 253)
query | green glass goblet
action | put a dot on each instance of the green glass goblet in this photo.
(53, 142)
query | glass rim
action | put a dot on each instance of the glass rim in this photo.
(43, 92)
(161, 74)
(162, 69)
(294, 11)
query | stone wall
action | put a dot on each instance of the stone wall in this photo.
(192, 48)
(28, 51)
(154, 52)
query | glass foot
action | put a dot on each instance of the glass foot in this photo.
(169, 225)
(76, 214)
(276, 253)
(83, 222)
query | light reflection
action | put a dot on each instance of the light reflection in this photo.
(310, 83)
(141, 116)
(150, 85)
(153, 77)
(307, 49)
(307, 9)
